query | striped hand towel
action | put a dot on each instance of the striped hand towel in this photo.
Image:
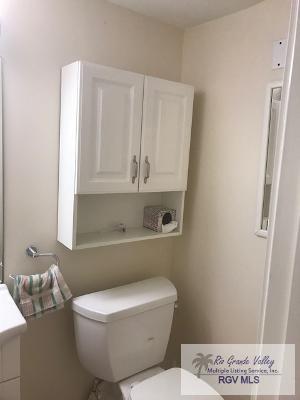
(38, 294)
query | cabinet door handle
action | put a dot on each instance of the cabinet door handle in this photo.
(147, 176)
(135, 169)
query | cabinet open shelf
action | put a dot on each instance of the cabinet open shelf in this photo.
(97, 239)
(97, 217)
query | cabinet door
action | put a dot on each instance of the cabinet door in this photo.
(166, 130)
(109, 130)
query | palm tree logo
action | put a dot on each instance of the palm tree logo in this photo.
(202, 361)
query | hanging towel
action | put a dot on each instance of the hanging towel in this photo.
(38, 294)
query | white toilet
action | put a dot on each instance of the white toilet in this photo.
(122, 335)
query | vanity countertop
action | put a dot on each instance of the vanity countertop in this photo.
(12, 323)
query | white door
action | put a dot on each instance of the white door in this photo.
(110, 130)
(166, 130)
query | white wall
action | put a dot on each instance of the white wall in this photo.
(37, 38)
(219, 262)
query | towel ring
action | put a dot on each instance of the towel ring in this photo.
(33, 252)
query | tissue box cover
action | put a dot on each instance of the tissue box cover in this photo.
(156, 216)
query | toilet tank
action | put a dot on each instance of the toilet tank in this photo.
(124, 330)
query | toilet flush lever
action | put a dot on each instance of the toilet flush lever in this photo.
(176, 305)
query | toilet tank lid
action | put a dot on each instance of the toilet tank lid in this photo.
(124, 301)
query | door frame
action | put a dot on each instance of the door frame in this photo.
(283, 234)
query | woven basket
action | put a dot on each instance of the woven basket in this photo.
(156, 216)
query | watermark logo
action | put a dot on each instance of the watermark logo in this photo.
(202, 361)
(238, 369)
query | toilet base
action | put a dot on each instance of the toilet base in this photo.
(105, 390)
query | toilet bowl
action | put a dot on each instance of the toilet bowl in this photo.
(166, 385)
(122, 336)
(126, 386)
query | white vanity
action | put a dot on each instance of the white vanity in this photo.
(12, 325)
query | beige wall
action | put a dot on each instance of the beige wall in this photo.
(219, 262)
(37, 38)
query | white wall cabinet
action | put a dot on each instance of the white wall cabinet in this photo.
(121, 132)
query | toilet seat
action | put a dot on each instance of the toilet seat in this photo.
(167, 386)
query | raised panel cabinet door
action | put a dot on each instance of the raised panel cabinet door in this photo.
(166, 130)
(110, 130)
(10, 390)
